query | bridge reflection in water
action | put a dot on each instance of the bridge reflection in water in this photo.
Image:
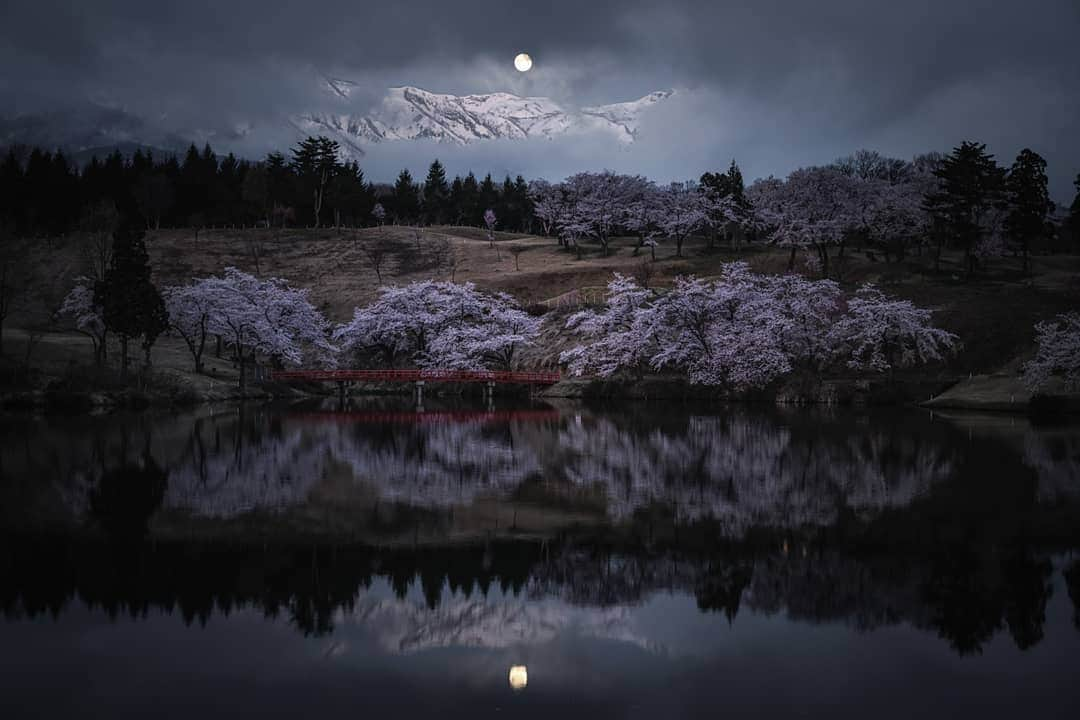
(419, 378)
(521, 535)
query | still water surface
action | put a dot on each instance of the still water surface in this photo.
(310, 561)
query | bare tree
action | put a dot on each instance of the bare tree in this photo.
(453, 263)
(256, 247)
(441, 251)
(375, 254)
(99, 220)
(644, 273)
(516, 251)
(490, 221)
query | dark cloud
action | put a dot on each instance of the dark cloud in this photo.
(804, 80)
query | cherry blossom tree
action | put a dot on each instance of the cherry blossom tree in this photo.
(882, 333)
(621, 333)
(1058, 352)
(743, 330)
(725, 213)
(600, 201)
(439, 325)
(266, 316)
(547, 204)
(190, 310)
(490, 340)
(894, 217)
(801, 312)
(720, 333)
(683, 212)
(642, 216)
(88, 316)
(811, 210)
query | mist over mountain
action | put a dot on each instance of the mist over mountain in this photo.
(411, 117)
(775, 85)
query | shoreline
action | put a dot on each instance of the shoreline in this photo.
(980, 393)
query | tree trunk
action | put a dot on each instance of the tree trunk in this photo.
(124, 354)
(243, 367)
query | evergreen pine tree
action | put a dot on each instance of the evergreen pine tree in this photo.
(12, 191)
(507, 209)
(735, 185)
(436, 194)
(489, 195)
(279, 185)
(524, 203)
(405, 198)
(1028, 218)
(130, 303)
(971, 187)
(456, 201)
(315, 162)
(471, 208)
(155, 318)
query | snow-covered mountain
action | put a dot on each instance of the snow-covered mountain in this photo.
(403, 113)
(410, 113)
(404, 626)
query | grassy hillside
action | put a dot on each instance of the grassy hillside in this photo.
(993, 314)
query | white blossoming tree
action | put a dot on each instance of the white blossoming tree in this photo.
(257, 316)
(744, 330)
(190, 309)
(1058, 352)
(621, 333)
(882, 333)
(439, 325)
(684, 211)
(88, 316)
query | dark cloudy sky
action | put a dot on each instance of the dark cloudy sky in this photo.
(773, 83)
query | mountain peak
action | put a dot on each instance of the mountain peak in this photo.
(412, 113)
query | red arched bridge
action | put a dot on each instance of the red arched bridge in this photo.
(501, 377)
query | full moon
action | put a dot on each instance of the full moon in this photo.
(523, 62)
(519, 675)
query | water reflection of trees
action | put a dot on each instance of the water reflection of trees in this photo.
(964, 600)
(742, 469)
(751, 471)
(823, 520)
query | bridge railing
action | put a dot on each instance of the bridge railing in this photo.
(430, 375)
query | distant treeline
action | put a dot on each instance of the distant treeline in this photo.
(965, 200)
(45, 193)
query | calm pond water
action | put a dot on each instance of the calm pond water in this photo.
(309, 561)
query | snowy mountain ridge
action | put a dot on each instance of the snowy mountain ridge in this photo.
(411, 113)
